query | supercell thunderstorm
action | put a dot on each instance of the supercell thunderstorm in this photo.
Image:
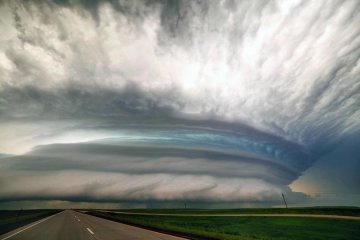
(172, 100)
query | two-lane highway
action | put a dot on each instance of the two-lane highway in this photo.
(71, 225)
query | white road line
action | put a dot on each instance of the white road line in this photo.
(29, 226)
(90, 231)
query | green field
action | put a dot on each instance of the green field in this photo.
(229, 228)
(344, 211)
(10, 220)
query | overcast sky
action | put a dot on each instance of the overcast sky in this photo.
(152, 103)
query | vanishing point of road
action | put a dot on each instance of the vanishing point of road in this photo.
(71, 225)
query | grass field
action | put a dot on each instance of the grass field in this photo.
(10, 220)
(231, 228)
(344, 211)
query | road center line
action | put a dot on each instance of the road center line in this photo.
(90, 231)
(29, 226)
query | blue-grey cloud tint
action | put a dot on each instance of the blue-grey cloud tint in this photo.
(171, 100)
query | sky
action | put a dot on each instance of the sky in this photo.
(122, 104)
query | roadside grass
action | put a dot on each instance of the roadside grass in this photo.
(343, 211)
(245, 228)
(11, 219)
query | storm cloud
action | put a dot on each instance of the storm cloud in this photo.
(173, 100)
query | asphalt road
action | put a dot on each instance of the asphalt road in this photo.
(71, 225)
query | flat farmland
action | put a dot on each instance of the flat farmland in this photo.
(186, 223)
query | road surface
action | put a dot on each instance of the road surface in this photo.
(71, 225)
(242, 215)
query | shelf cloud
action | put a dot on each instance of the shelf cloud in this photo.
(108, 101)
